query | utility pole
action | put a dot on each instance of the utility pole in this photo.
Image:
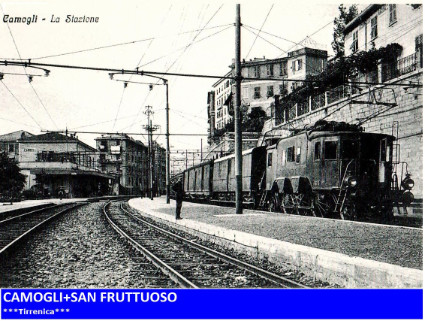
(201, 150)
(238, 132)
(186, 159)
(150, 129)
(167, 136)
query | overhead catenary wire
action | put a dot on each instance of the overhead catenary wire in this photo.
(20, 104)
(120, 133)
(270, 34)
(255, 39)
(116, 44)
(184, 50)
(164, 73)
(33, 89)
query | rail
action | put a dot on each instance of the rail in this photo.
(269, 276)
(15, 228)
(164, 267)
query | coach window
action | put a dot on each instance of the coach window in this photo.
(298, 156)
(269, 159)
(349, 149)
(330, 150)
(317, 151)
(290, 155)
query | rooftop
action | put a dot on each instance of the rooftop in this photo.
(14, 136)
(52, 137)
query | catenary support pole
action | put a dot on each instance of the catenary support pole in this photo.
(167, 133)
(238, 134)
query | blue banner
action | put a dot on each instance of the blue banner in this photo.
(211, 304)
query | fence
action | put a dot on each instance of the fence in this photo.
(389, 71)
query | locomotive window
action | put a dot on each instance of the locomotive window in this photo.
(298, 156)
(269, 159)
(290, 154)
(349, 149)
(330, 150)
(383, 150)
(317, 151)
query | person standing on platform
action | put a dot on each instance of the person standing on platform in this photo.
(178, 189)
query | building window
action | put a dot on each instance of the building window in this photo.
(283, 69)
(269, 70)
(11, 148)
(257, 92)
(257, 71)
(270, 91)
(290, 154)
(374, 27)
(355, 45)
(245, 92)
(297, 65)
(393, 13)
(283, 89)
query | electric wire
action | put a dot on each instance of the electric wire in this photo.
(18, 123)
(20, 104)
(255, 39)
(184, 50)
(116, 44)
(35, 92)
(270, 34)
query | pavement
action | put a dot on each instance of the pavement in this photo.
(345, 253)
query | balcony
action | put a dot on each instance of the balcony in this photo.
(400, 67)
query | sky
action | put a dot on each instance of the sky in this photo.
(192, 37)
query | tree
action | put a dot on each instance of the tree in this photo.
(339, 24)
(11, 180)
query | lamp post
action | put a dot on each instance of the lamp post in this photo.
(167, 126)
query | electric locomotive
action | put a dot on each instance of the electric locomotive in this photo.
(332, 169)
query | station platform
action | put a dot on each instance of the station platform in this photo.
(5, 207)
(345, 253)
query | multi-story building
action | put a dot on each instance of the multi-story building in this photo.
(258, 93)
(9, 143)
(159, 169)
(53, 162)
(127, 160)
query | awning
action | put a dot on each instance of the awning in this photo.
(72, 172)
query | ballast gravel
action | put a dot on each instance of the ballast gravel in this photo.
(78, 250)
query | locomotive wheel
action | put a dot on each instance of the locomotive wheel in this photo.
(272, 204)
(289, 204)
(322, 206)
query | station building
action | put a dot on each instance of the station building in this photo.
(9, 143)
(55, 163)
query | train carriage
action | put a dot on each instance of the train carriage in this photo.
(197, 181)
(253, 166)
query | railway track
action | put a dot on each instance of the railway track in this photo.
(15, 227)
(187, 263)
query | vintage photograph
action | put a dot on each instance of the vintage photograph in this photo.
(187, 144)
